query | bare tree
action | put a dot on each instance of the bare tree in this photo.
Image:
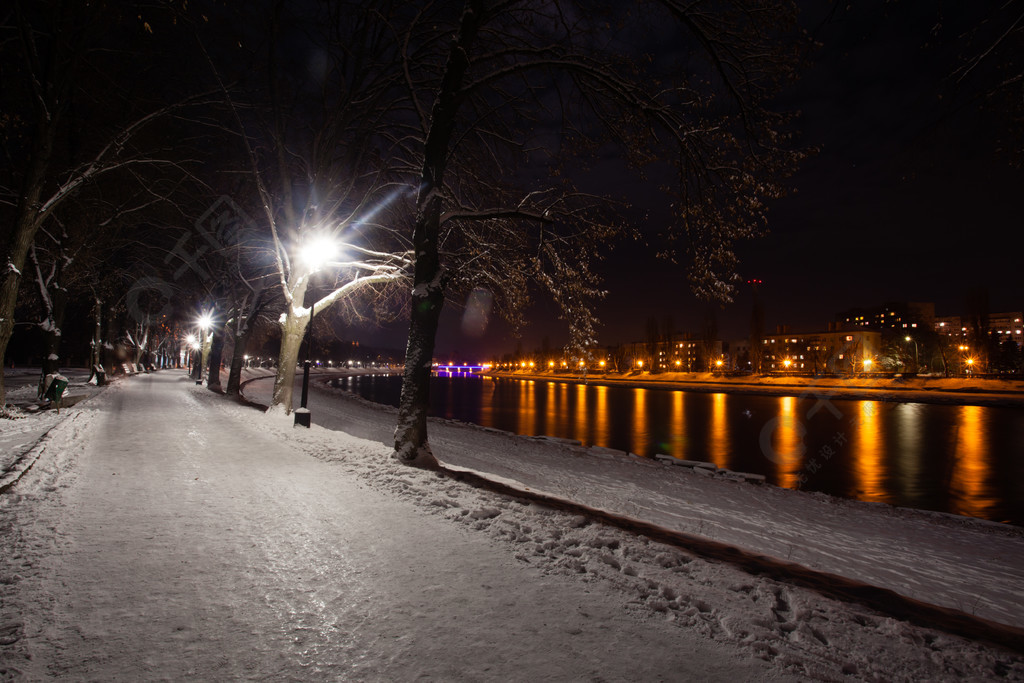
(59, 57)
(498, 85)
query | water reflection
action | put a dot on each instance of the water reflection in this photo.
(582, 414)
(868, 458)
(788, 443)
(719, 443)
(487, 403)
(549, 410)
(676, 443)
(965, 460)
(640, 425)
(970, 466)
(910, 452)
(602, 423)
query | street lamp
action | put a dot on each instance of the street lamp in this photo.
(867, 365)
(205, 322)
(916, 362)
(315, 253)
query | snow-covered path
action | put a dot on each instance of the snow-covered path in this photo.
(162, 536)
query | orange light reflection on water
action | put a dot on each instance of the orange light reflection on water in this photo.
(720, 444)
(581, 431)
(867, 452)
(788, 443)
(677, 439)
(971, 467)
(487, 403)
(602, 427)
(526, 417)
(550, 414)
(640, 427)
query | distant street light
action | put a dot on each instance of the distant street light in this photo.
(916, 362)
(315, 253)
(867, 365)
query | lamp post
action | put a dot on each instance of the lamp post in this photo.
(916, 362)
(205, 323)
(316, 252)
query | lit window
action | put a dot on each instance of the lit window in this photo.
(849, 337)
(913, 324)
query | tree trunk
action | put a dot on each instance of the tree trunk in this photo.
(97, 340)
(26, 223)
(237, 360)
(52, 330)
(292, 332)
(216, 354)
(108, 357)
(411, 446)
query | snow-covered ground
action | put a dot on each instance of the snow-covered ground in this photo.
(166, 532)
(27, 423)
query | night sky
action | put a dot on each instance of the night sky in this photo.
(909, 197)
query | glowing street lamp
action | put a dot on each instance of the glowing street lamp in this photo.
(787, 363)
(314, 253)
(205, 322)
(867, 365)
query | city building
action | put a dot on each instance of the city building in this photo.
(896, 316)
(821, 352)
(682, 354)
(1001, 327)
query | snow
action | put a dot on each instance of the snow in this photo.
(167, 532)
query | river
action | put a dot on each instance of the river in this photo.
(967, 460)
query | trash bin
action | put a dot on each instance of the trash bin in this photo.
(55, 390)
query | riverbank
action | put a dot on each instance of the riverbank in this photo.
(953, 390)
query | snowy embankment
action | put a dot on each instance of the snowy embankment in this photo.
(971, 566)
